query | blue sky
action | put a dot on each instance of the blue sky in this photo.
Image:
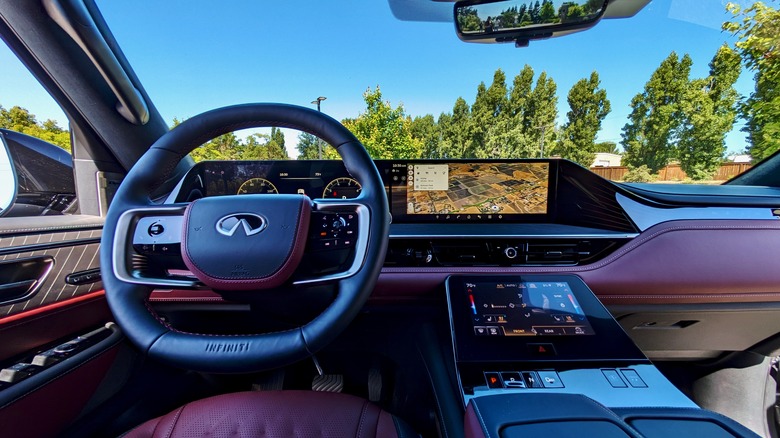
(196, 55)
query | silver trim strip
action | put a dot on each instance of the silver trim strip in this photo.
(125, 229)
(645, 216)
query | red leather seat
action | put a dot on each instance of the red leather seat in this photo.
(276, 414)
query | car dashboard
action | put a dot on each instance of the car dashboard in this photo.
(632, 247)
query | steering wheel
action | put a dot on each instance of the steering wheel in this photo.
(244, 245)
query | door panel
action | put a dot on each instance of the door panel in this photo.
(74, 248)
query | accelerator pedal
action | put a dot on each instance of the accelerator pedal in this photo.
(326, 382)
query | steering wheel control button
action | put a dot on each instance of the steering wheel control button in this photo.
(480, 331)
(633, 378)
(541, 350)
(550, 379)
(332, 231)
(614, 379)
(493, 380)
(155, 229)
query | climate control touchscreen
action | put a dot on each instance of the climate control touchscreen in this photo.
(526, 308)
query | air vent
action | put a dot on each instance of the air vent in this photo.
(556, 253)
(456, 253)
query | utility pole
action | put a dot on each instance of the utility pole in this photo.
(318, 101)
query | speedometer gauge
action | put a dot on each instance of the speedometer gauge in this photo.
(257, 186)
(342, 188)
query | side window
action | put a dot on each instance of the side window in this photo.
(36, 166)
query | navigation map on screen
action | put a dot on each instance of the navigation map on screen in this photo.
(478, 188)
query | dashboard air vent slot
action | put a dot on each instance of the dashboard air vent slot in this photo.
(554, 253)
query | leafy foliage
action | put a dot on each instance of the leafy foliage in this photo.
(384, 131)
(609, 147)
(709, 110)
(541, 112)
(309, 148)
(21, 120)
(639, 174)
(650, 135)
(230, 147)
(758, 30)
(589, 106)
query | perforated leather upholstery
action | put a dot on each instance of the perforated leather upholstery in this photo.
(275, 414)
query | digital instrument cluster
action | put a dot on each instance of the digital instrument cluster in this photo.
(418, 191)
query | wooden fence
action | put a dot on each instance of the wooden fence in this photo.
(673, 172)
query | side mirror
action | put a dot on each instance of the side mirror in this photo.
(36, 178)
(7, 178)
(521, 21)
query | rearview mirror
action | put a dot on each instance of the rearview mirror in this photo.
(524, 20)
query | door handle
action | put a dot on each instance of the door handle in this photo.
(20, 279)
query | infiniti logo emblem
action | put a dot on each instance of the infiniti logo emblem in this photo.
(251, 223)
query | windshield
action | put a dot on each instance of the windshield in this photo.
(665, 96)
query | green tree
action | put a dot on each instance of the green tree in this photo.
(570, 11)
(425, 130)
(456, 138)
(384, 131)
(542, 110)
(547, 12)
(589, 106)
(308, 148)
(521, 89)
(469, 21)
(608, 147)
(21, 120)
(264, 147)
(709, 111)
(224, 147)
(758, 32)
(650, 135)
(487, 114)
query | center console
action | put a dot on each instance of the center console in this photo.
(537, 353)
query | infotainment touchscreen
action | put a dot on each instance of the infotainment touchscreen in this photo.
(484, 189)
(526, 308)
